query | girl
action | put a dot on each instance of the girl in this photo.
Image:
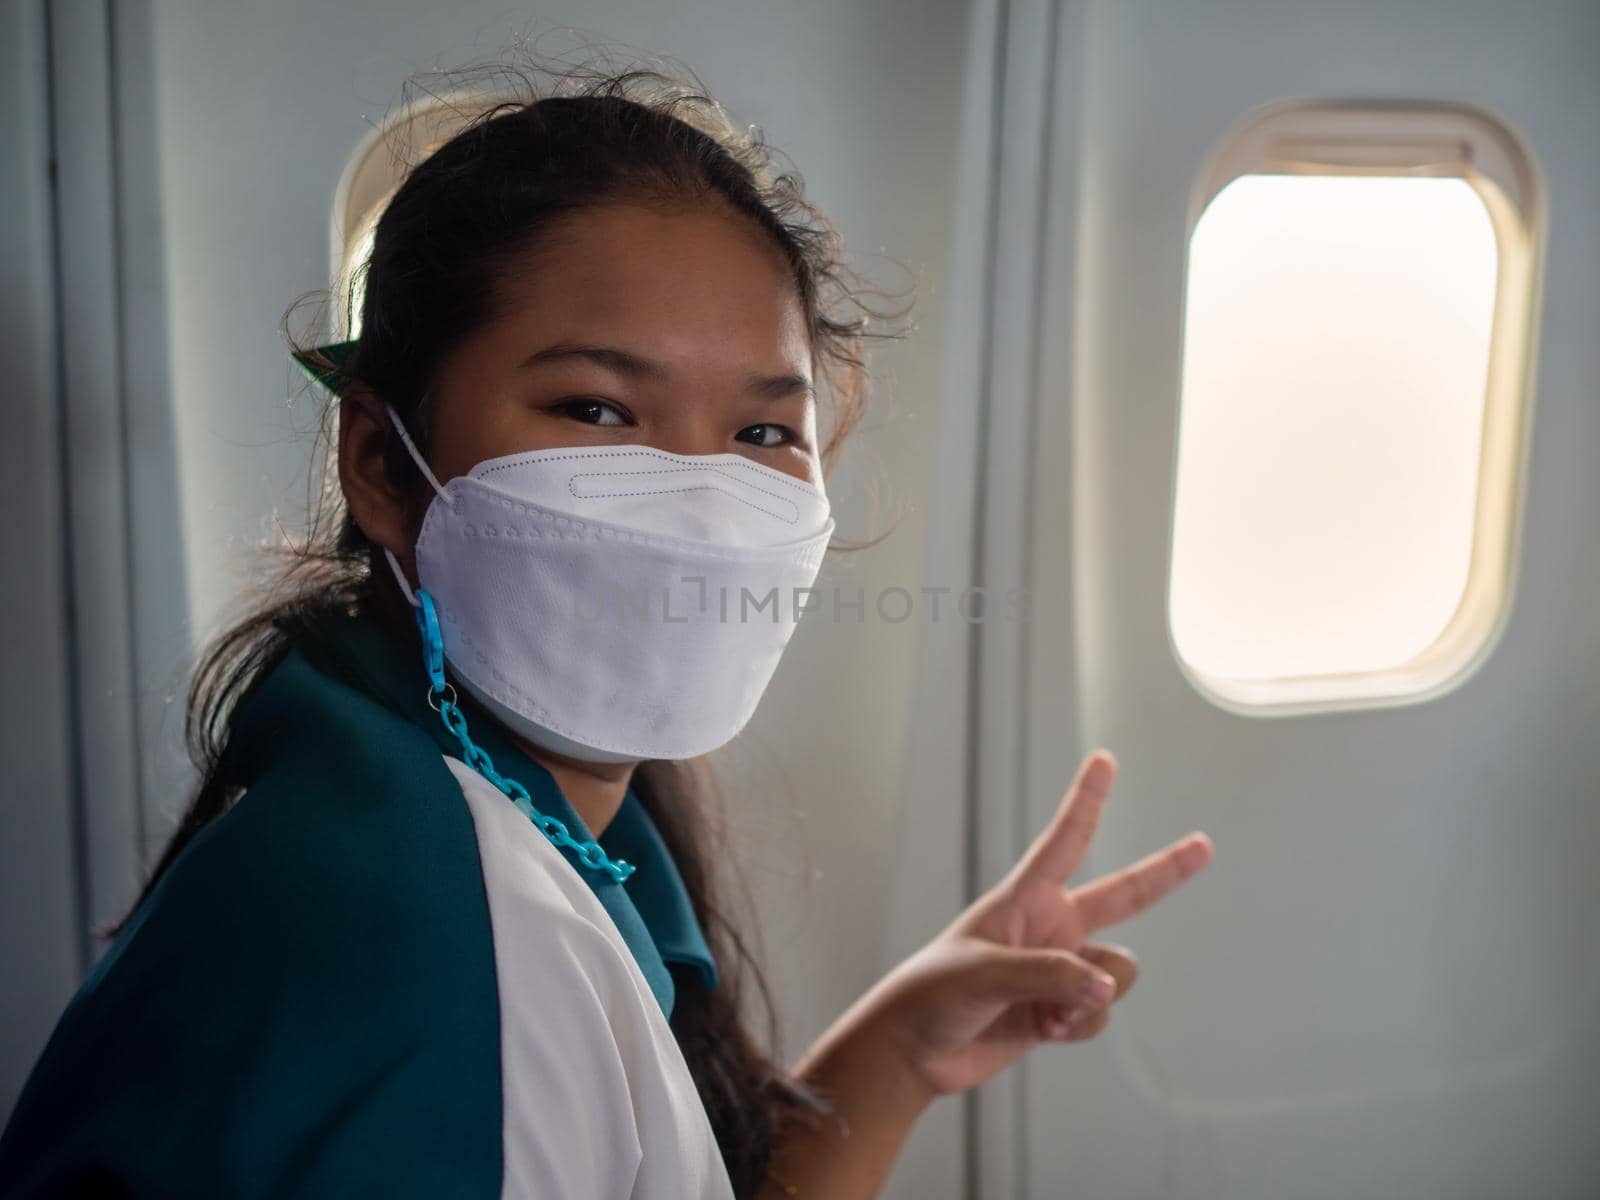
(442, 919)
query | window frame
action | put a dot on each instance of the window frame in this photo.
(1405, 138)
(375, 170)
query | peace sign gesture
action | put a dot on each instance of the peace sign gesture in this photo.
(1016, 968)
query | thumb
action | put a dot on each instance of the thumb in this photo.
(1019, 975)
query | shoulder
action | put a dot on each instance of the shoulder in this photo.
(349, 859)
(543, 911)
(304, 1004)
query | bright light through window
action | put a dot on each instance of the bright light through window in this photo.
(1333, 388)
(1356, 358)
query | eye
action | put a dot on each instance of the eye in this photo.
(766, 435)
(592, 412)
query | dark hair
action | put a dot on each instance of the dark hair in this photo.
(441, 246)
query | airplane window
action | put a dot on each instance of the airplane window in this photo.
(1353, 408)
(371, 177)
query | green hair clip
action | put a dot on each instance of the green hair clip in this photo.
(340, 354)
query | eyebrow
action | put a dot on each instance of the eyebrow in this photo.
(768, 387)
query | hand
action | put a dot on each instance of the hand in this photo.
(1016, 968)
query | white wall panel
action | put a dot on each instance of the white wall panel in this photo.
(1384, 984)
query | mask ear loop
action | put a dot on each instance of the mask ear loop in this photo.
(411, 449)
(400, 578)
(427, 473)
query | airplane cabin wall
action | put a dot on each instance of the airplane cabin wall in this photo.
(1385, 982)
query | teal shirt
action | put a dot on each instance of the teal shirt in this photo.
(306, 1003)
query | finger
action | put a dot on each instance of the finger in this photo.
(1017, 975)
(1078, 1025)
(1117, 961)
(1059, 1024)
(1087, 1025)
(1057, 851)
(1135, 888)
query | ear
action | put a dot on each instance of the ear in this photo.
(377, 503)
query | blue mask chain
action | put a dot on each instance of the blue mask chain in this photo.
(442, 699)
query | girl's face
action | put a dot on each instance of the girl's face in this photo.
(680, 330)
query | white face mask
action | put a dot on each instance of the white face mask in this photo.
(614, 603)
